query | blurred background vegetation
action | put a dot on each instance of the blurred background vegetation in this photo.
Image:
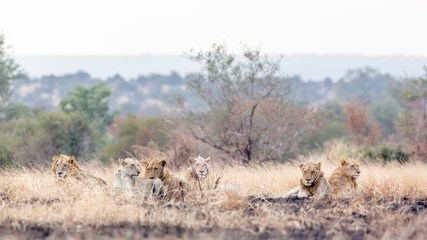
(238, 108)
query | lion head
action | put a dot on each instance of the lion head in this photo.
(310, 172)
(154, 169)
(200, 166)
(350, 168)
(131, 167)
(64, 166)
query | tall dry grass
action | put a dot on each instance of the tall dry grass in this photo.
(390, 204)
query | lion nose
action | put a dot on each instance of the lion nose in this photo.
(138, 172)
(358, 172)
(59, 174)
(308, 180)
(151, 177)
(201, 171)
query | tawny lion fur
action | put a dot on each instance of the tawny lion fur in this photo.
(175, 187)
(126, 179)
(312, 183)
(66, 166)
(344, 178)
(198, 170)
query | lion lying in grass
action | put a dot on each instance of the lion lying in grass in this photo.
(126, 178)
(175, 187)
(344, 178)
(312, 183)
(198, 170)
(66, 166)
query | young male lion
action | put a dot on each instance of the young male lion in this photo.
(312, 183)
(175, 187)
(64, 166)
(126, 178)
(198, 170)
(344, 178)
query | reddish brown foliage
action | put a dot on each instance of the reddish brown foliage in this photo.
(374, 133)
(356, 119)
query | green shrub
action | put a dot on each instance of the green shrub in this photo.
(71, 134)
(133, 130)
(6, 156)
(386, 153)
(33, 140)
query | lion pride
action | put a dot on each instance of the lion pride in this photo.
(66, 166)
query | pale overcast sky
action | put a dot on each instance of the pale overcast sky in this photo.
(88, 27)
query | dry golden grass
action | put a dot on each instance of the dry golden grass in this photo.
(391, 205)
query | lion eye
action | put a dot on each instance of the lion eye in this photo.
(155, 168)
(312, 172)
(132, 165)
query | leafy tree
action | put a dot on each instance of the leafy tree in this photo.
(132, 130)
(386, 113)
(413, 120)
(249, 115)
(9, 72)
(91, 101)
(364, 83)
(334, 128)
(356, 119)
(35, 139)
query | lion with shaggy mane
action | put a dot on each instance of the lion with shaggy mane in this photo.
(66, 166)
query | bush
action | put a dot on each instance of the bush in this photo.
(33, 140)
(141, 131)
(387, 153)
(70, 134)
(6, 156)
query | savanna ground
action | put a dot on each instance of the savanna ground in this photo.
(391, 205)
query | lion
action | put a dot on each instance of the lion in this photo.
(312, 183)
(126, 178)
(66, 166)
(198, 170)
(175, 187)
(344, 178)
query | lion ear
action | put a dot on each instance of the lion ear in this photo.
(145, 163)
(122, 162)
(162, 163)
(357, 161)
(191, 160)
(343, 162)
(54, 159)
(71, 159)
(318, 165)
(301, 166)
(208, 159)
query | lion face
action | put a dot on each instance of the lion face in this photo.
(310, 172)
(131, 167)
(351, 168)
(63, 166)
(200, 166)
(154, 169)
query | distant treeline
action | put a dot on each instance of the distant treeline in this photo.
(152, 94)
